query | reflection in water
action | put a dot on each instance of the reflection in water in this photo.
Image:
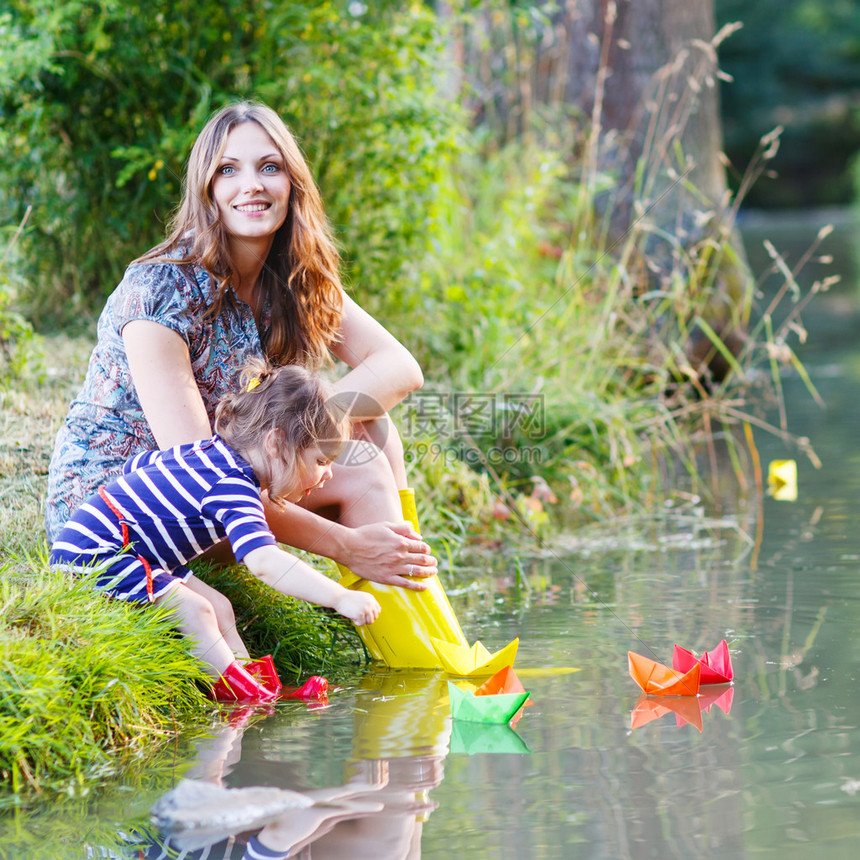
(687, 709)
(480, 738)
(401, 734)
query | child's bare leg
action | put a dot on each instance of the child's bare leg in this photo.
(196, 620)
(224, 615)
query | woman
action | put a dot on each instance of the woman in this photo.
(248, 269)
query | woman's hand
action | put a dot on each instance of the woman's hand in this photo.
(358, 606)
(390, 553)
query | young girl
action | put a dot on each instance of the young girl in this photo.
(277, 434)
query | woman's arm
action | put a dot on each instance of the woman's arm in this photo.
(381, 366)
(293, 577)
(161, 370)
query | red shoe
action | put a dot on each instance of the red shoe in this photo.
(237, 685)
(265, 672)
(315, 688)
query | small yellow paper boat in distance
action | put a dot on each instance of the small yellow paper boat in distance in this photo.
(782, 480)
(419, 629)
(655, 679)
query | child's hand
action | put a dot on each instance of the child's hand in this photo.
(359, 607)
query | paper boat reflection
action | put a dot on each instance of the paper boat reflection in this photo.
(716, 667)
(687, 709)
(721, 696)
(474, 738)
(649, 708)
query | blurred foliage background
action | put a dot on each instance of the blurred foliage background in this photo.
(796, 64)
(101, 101)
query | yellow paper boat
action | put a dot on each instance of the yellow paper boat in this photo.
(475, 661)
(782, 480)
(403, 635)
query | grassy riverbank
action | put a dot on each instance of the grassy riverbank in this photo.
(87, 685)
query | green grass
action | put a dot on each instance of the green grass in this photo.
(82, 677)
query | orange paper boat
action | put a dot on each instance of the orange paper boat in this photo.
(504, 681)
(716, 666)
(659, 680)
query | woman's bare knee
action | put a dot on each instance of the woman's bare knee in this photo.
(382, 433)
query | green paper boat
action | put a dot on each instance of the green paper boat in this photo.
(498, 709)
(475, 738)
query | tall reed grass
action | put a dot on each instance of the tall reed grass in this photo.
(640, 345)
(636, 375)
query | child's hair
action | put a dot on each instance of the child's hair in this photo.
(289, 399)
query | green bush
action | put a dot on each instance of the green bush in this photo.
(100, 102)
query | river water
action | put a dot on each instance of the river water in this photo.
(770, 767)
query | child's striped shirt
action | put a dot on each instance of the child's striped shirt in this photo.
(176, 504)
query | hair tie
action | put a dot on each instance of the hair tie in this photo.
(252, 384)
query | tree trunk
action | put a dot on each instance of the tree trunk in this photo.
(646, 71)
(643, 77)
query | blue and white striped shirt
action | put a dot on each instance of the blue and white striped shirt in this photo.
(176, 503)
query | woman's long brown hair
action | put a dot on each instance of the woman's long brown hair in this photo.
(300, 277)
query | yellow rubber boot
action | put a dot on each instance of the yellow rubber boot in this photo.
(401, 637)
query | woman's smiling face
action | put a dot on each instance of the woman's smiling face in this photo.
(251, 186)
